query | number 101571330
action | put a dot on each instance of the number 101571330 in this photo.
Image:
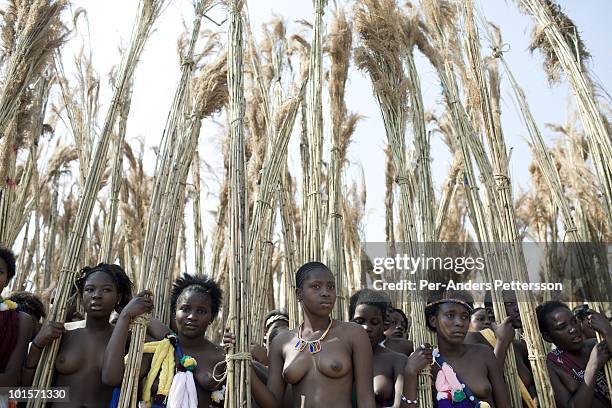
(53, 394)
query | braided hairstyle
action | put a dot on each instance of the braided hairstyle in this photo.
(191, 283)
(304, 271)
(122, 281)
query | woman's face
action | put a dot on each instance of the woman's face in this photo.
(193, 313)
(451, 322)
(397, 326)
(318, 292)
(371, 319)
(480, 321)
(100, 295)
(563, 330)
(3, 274)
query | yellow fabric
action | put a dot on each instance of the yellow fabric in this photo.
(489, 336)
(162, 364)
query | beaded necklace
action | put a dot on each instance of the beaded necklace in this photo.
(7, 304)
(314, 346)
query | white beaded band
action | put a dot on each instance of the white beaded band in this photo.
(407, 401)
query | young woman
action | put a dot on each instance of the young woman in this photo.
(367, 308)
(396, 331)
(466, 375)
(15, 326)
(575, 366)
(78, 366)
(479, 320)
(323, 358)
(195, 303)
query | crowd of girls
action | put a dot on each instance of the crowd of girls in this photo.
(368, 361)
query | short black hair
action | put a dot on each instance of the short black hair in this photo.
(197, 284)
(478, 309)
(9, 257)
(122, 281)
(368, 297)
(29, 303)
(436, 298)
(545, 309)
(401, 313)
(302, 273)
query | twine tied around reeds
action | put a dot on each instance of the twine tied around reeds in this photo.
(400, 180)
(245, 355)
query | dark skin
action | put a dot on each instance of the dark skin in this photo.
(79, 362)
(504, 333)
(11, 375)
(193, 314)
(325, 378)
(395, 334)
(563, 330)
(475, 364)
(387, 364)
(479, 321)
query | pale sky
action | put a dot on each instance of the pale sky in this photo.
(157, 74)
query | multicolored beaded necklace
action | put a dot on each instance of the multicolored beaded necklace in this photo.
(314, 346)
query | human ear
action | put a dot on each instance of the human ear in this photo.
(298, 294)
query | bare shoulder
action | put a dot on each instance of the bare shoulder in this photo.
(216, 351)
(349, 327)
(483, 351)
(475, 338)
(398, 359)
(25, 323)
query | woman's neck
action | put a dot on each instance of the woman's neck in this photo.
(450, 350)
(315, 323)
(97, 323)
(191, 342)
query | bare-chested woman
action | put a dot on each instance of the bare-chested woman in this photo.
(15, 326)
(367, 308)
(575, 366)
(322, 358)
(195, 302)
(461, 371)
(78, 366)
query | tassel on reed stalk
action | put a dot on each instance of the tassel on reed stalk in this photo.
(563, 47)
(148, 12)
(238, 365)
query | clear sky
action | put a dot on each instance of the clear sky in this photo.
(156, 76)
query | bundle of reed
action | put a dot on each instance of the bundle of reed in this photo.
(50, 244)
(396, 296)
(501, 196)
(290, 249)
(313, 244)
(557, 36)
(106, 254)
(382, 55)
(441, 57)
(238, 365)
(271, 175)
(199, 241)
(148, 12)
(339, 49)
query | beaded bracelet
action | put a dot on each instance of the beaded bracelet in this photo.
(407, 401)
